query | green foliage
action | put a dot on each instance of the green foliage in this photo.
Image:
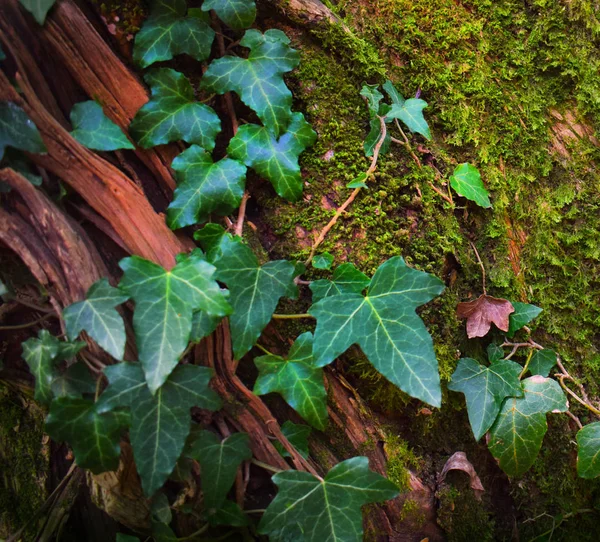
(38, 8)
(164, 304)
(410, 112)
(297, 379)
(219, 461)
(346, 280)
(324, 509)
(322, 261)
(18, 131)
(16, 160)
(74, 382)
(588, 451)
(94, 130)
(524, 313)
(385, 325)
(169, 32)
(173, 114)
(542, 362)
(466, 182)
(237, 14)
(517, 434)
(229, 514)
(97, 316)
(203, 324)
(485, 389)
(297, 435)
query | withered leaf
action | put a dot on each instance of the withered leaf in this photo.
(483, 312)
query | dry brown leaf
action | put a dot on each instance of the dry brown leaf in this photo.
(459, 461)
(483, 312)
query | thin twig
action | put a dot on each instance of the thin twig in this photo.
(29, 324)
(526, 366)
(202, 529)
(440, 193)
(592, 408)
(261, 347)
(265, 466)
(482, 268)
(406, 143)
(33, 305)
(575, 419)
(291, 316)
(239, 226)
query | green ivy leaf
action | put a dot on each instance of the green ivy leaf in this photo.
(275, 159)
(16, 160)
(38, 8)
(205, 187)
(358, 182)
(296, 379)
(164, 303)
(373, 96)
(517, 434)
(94, 130)
(410, 113)
(17, 130)
(373, 137)
(258, 80)
(160, 511)
(524, 313)
(322, 261)
(385, 325)
(327, 509)
(127, 538)
(173, 114)
(219, 461)
(160, 423)
(39, 354)
(485, 389)
(203, 325)
(298, 435)
(254, 290)
(161, 532)
(466, 182)
(94, 437)
(588, 451)
(542, 361)
(98, 317)
(168, 32)
(346, 280)
(495, 352)
(74, 382)
(393, 93)
(229, 514)
(237, 14)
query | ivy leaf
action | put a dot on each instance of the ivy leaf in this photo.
(373, 137)
(74, 382)
(542, 361)
(160, 510)
(322, 261)
(258, 80)
(237, 14)
(38, 8)
(524, 313)
(219, 461)
(94, 130)
(17, 130)
(94, 437)
(275, 159)
(161, 532)
(205, 187)
(466, 182)
(393, 93)
(517, 434)
(254, 290)
(160, 423)
(385, 325)
(229, 514)
(164, 303)
(346, 280)
(410, 113)
(588, 451)
(203, 325)
(373, 96)
(298, 435)
(485, 388)
(39, 354)
(127, 538)
(173, 114)
(358, 182)
(327, 509)
(495, 352)
(168, 32)
(98, 317)
(16, 160)
(296, 379)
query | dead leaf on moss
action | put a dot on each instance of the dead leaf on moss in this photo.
(459, 461)
(483, 312)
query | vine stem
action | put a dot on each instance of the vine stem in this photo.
(590, 407)
(265, 466)
(482, 268)
(406, 143)
(526, 366)
(33, 306)
(261, 347)
(201, 530)
(352, 196)
(239, 226)
(291, 316)
(28, 324)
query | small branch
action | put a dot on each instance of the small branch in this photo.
(440, 193)
(261, 347)
(406, 143)
(526, 366)
(257, 511)
(265, 466)
(291, 316)
(575, 419)
(202, 529)
(482, 267)
(303, 282)
(33, 305)
(593, 409)
(239, 226)
(29, 324)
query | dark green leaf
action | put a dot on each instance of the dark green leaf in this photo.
(237, 14)
(328, 509)
(374, 136)
(346, 280)
(517, 434)
(359, 182)
(94, 437)
(524, 313)
(127, 538)
(229, 514)
(38, 8)
(411, 113)
(160, 423)
(161, 532)
(588, 451)
(254, 290)
(164, 303)
(168, 32)
(94, 130)
(2, 55)
(485, 388)
(258, 80)
(298, 435)
(322, 261)
(161, 509)
(74, 382)
(466, 182)
(205, 187)
(495, 352)
(203, 325)
(40, 354)
(173, 114)
(393, 93)
(275, 159)
(542, 362)
(373, 96)
(98, 317)
(219, 461)
(16, 160)
(387, 328)
(18, 131)
(296, 379)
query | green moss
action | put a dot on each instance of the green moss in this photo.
(412, 513)
(400, 459)
(463, 517)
